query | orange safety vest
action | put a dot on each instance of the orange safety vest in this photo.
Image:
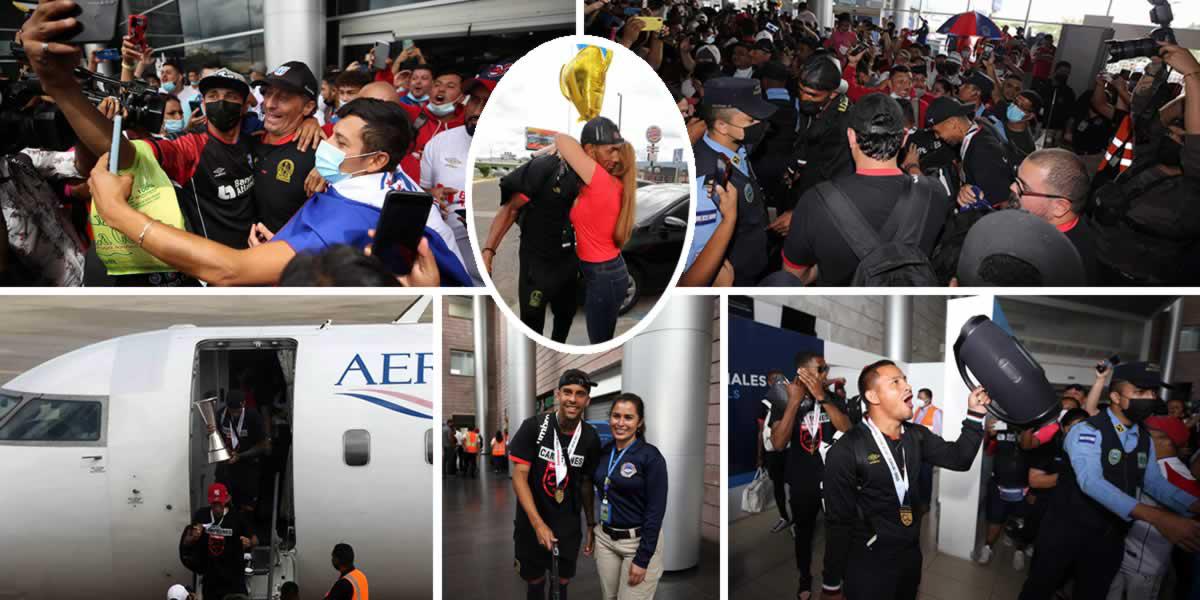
(498, 448)
(358, 580)
(1121, 148)
(471, 444)
(927, 418)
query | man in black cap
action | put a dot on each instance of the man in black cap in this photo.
(770, 158)
(554, 455)
(821, 152)
(819, 245)
(986, 168)
(1112, 462)
(735, 114)
(289, 96)
(246, 438)
(977, 90)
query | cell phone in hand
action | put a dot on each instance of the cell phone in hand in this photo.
(651, 23)
(382, 50)
(137, 30)
(399, 229)
(96, 22)
(1105, 364)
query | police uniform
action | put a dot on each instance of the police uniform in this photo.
(1083, 533)
(631, 486)
(822, 145)
(748, 248)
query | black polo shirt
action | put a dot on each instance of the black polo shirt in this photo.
(223, 539)
(1084, 239)
(279, 172)
(533, 445)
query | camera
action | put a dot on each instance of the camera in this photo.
(1160, 15)
(143, 105)
(26, 123)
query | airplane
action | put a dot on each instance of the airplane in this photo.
(104, 461)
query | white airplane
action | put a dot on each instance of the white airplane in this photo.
(103, 460)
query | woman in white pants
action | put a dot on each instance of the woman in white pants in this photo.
(631, 481)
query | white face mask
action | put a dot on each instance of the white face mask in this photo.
(687, 88)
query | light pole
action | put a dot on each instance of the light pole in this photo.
(620, 108)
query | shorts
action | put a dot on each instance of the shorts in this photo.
(532, 561)
(998, 510)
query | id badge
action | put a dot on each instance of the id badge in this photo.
(605, 513)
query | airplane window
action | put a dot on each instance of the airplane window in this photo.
(8, 403)
(356, 447)
(46, 420)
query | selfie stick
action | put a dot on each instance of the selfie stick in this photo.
(113, 161)
(554, 591)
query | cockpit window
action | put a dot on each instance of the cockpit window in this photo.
(54, 420)
(7, 403)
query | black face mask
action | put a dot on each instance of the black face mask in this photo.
(753, 134)
(1140, 408)
(1061, 77)
(223, 114)
(1168, 152)
(811, 108)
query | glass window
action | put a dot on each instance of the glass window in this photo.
(7, 403)
(210, 18)
(356, 447)
(345, 7)
(236, 54)
(1189, 340)
(462, 363)
(460, 308)
(46, 420)
(1008, 9)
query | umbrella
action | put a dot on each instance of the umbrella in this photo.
(970, 24)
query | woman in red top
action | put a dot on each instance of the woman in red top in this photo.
(602, 217)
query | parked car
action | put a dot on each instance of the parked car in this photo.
(654, 247)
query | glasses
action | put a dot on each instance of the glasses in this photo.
(1023, 190)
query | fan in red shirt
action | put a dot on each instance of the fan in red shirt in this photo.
(443, 111)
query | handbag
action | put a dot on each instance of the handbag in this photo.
(758, 493)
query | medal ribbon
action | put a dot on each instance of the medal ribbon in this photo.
(233, 436)
(899, 474)
(560, 465)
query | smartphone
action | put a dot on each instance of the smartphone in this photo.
(875, 37)
(632, 11)
(859, 47)
(195, 102)
(137, 30)
(987, 53)
(1111, 361)
(652, 23)
(96, 22)
(382, 49)
(399, 229)
(724, 174)
(406, 44)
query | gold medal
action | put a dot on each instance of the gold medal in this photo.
(558, 497)
(906, 516)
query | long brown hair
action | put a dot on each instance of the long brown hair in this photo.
(628, 195)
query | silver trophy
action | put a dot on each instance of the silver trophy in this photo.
(216, 444)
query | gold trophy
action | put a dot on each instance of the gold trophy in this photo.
(582, 80)
(216, 444)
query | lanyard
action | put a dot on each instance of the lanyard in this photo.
(560, 465)
(899, 474)
(215, 522)
(614, 459)
(233, 432)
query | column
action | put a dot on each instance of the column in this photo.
(901, 15)
(897, 328)
(668, 365)
(294, 30)
(519, 375)
(479, 321)
(1147, 336)
(1171, 339)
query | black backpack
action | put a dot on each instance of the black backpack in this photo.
(898, 261)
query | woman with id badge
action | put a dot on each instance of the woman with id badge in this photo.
(631, 485)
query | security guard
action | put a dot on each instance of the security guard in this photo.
(633, 500)
(555, 455)
(734, 112)
(352, 585)
(873, 530)
(822, 150)
(1083, 533)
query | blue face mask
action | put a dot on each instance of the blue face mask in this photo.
(424, 98)
(168, 87)
(173, 125)
(1014, 113)
(329, 161)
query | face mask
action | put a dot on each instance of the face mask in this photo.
(441, 110)
(329, 161)
(223, 114)
(1168, 151)
(811, 108)
(1014, 113)
(688, 88)
(173, 125)
(402, 90)
(918, 92)
(752, 134)
(424, 98)
(710, 39)
(168, 87)
(1140, 408)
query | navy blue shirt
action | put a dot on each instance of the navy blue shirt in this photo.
(637, 492)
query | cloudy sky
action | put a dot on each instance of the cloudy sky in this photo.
(529, 96)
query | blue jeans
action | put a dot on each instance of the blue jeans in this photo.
(606, 284)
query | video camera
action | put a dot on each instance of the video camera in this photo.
(143, 105)
(1160, 15)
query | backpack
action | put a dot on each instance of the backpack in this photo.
(898, 261)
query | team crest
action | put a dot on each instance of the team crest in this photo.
(284, 171)
(281, 71)
(873, 458)
(1114, 456)
(453, 162)
(628, 470)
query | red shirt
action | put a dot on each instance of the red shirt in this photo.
(595, 217)
(411, 164)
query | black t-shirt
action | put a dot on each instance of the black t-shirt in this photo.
(279, 172)
(223, 538)
(218, 184)
(533, 445)
(1058, 106)
(804, 465)
(1008, 463)
(815, 240)
(1048, 458)
(1084, 240)
(250, 430)
(341, 590)
(552, 187)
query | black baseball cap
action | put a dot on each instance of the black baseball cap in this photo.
(293, 76)
(226, 79)
(774, 70)
(575, 377)
(600, 131)
(235, 399)
(981, 81)
(821, 72)
(739, 93)
(1144, 375)
(946, 107)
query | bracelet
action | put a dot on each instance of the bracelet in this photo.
(486, 249)
(142, 236)
(125, 65)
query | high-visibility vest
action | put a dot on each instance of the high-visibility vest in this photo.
(927, 418)
(471, 443)
(498, 448)
(1120, 148)
(358, 580)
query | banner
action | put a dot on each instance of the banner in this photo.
(536, 139)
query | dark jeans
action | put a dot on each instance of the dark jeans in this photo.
(806, 505)
(776, 465)
(606, 283)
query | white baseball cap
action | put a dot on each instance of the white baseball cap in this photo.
(177, 592)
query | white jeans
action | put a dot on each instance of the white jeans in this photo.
(613, 560)
(1134, 586)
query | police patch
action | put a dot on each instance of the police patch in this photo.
(628, 470)
(748, 193)
(1087, 438)
(1142, 460)
(1114, 456)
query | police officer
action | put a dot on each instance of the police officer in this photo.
(555, 455)
(538, 196)
(735, 113)
(1083, 533)
(352, 583)
(633, 499)
(822, 151)
(872, 548)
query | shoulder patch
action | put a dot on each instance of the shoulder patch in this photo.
(1087, 438)
(843, 104)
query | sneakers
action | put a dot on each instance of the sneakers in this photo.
(780, 525)
(985, 555)
(1019, 560)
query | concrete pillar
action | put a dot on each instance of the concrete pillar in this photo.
(294, 30)
(897, 328)
(900, 14)
(479, 321)
(520, 375)
(1171, 339)
(668, 365)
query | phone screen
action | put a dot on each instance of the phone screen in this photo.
(399, 230)
(382, 50)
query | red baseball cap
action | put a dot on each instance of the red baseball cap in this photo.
(218, 494)
(488, 77)
(1173, 427)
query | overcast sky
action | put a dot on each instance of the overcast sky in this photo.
(529, 96)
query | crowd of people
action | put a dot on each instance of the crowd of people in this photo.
(868, 154)
(274, 177)
(1096, 503)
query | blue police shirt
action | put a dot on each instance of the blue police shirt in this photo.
(637, 494)
(708, 216)
(1083, 446)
